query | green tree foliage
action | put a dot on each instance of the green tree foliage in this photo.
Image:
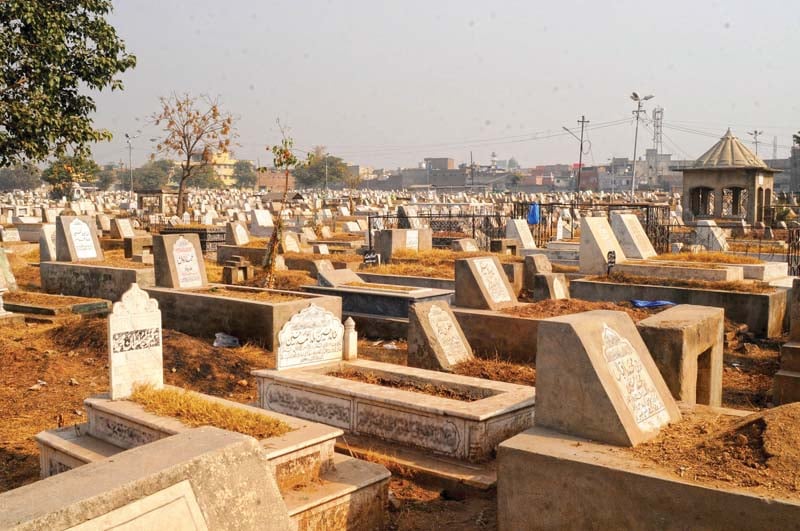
(66, 171)
(796, 138)
(311, 174)
(152, 176)
(244, 174)
(107, 177)
(205, 177)
(51, 52)
(20, 177)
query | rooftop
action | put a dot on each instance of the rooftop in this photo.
(729, 152)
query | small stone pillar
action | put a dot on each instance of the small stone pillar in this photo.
(350, 351)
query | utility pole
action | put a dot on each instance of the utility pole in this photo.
(472, 170)
(583, 121)
(637, 113)
(129, 139)
(755, 133)
(326, 174)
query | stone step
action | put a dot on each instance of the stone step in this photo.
(66, 448)
(423, 466)
(352, 495)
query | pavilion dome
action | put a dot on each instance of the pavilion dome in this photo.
(729, 152)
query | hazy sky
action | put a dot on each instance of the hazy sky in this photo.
(388, 83)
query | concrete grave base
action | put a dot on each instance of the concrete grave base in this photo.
(202, 313)
(547, 480)
(467, 431)
(93, 281)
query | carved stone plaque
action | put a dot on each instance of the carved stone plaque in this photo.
(82, 239)
(313, 335)
(447, 335)
(134, 342)
(187, 266)
(412, 240)
(492, 280)
(633, 381)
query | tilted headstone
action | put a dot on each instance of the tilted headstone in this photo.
(707, 233)
(631, 236)
(178, 261)
(481, 283)
(289, 242)
(236, 233)
(467, 245)
(337, 277)
(47, 243)
(76, 239)
(435, 339)
(312, 336)
(597, 239)
(7, 278)
(518, 229)
(261, 224)
(134, 343)
(550, 286)
(595, 378)
(9, 234)
(121, 228)
(350, 226)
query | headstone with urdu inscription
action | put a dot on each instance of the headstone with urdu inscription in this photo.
(312, 336)
(435, 339)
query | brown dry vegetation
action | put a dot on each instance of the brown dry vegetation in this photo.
(260, 296)
(554, 308)
(735, 285)
(42, 299)
(116, 258)
(709, 257)
(404, 385)
(497, 370)
(760, 452)
(71, 357)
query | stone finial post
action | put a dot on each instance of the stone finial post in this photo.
(350, 351)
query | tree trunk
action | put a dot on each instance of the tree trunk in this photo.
(181, 197)
(272, 245)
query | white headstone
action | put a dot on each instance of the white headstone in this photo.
(631, 236)
(518, 229)
(412, 240)
(82, 239)
(187, 265)
(597, 240)
(134, 343)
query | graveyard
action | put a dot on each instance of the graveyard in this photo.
(396, 378)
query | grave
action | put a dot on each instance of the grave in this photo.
(179, 261)
(435, 339)
(261, 224)
(708, 234)
(597, 240)
(468, 245)
(388, 241)
(786, 383)
(311, 336)
(595, 378)
(236, 233)
(7, 279)
(482, 284)
(631, 236)
(686, 343)
(76, 239)
(134, 343)
(518, 229)
(121, 228)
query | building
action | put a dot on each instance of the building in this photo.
(222, 163)
(728, 182)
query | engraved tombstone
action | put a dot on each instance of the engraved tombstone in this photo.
(134, 343)
(121, 228)
(76, 239)
(482, 284)
(312, 336)
(435, 339)
(178, 261)
(518, 229)
(47, 243)
(595, 378)
(261, 224)
(236, 233)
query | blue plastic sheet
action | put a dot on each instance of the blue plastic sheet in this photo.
(534, 214)
(650, 304)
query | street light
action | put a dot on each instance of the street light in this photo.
(639, 100)
(128, 140)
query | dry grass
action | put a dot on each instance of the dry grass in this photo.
(409, 269)
(193, 410)
(709, 257)
(343, 237)
(290, 280)
(415, 387)
(43, 299)
(260, 296)
(384, 287)
(213, 272)
(116, 258)
(497, 370)
(335, 257)
(434, 263)
(734, 285)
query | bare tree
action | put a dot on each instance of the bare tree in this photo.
(196, 128)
